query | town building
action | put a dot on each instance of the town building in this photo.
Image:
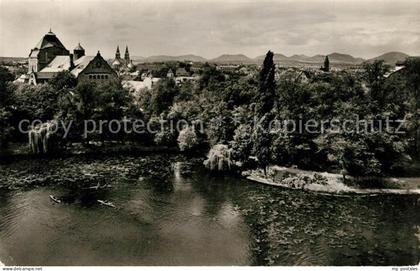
(49, 57)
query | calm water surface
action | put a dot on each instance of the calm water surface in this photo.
(193, 218)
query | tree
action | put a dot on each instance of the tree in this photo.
(210, 77)
(220, 127)
(265, 101)
(261, 147)
(242, 143)
(267, 86)
(5, 92)
(375, 77)
(63, 79)
(6, 100)
(412, 71)
(326, 67)
(163, 95)
(97, 102)
(187, 139)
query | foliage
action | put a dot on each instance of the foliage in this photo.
(261, 148)
(219, 158)
(267, 86)
(36, 102)
(236, 110)
(242, 143)
(220, 128)
(375, 77)
(97, 102)
(163, 95)
(63, 79)
(45, 138)
(326, 67)
(211, 77)
(187, 139)
(6, 100)
(162, 133)
(5, 92)
(5, 127)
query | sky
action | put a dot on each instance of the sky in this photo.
(209, 28)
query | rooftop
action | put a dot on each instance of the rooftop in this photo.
(49, 40)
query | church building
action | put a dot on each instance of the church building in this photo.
(49, 57)
(122, 64)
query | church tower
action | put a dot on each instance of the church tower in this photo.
(78, 52)
(126, 55)
(117, 54)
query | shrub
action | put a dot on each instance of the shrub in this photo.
(187, 139)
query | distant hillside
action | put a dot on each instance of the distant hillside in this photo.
(166, 58)
(344, 58)
(232, 59)
(390, 58)
(316, 59)
(12, 59)
(277, 58)
(294, 60)
(137, 58)
(300, 58)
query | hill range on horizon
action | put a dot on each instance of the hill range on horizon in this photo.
(390, 58)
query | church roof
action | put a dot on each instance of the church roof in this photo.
(116, 62)
(62, 63)
(49, 40)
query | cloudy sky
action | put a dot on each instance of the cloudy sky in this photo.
(363, 28)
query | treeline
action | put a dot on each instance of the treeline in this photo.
(238, 111)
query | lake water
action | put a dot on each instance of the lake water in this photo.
(189, 217)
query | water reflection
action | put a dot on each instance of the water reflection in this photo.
(190, 217)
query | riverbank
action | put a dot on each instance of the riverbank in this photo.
(330, 183)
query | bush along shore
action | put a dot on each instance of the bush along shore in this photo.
(323, 182)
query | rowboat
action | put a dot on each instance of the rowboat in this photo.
(56, 200)
(106, 203)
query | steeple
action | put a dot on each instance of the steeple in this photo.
(126, 55)
(117, 54)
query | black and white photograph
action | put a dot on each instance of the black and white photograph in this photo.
(209, 133)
